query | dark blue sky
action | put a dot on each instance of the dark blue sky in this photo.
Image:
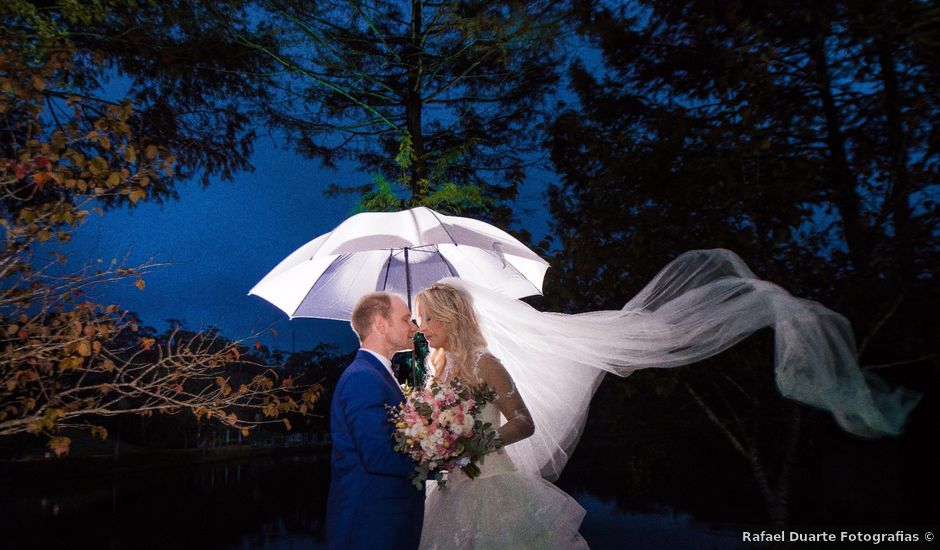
(222, 239)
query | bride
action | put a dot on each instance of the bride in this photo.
(502, 507)
(545, 367)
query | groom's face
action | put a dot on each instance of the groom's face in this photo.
(401, 331)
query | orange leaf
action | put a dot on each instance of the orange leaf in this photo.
(60, 445)
(137, 194)
(257, 345)
(84, 348)
(40, 180)
(287, 424)
(147, 343)
(140, 284)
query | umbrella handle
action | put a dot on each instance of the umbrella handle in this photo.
(414, 360)
(408, 278)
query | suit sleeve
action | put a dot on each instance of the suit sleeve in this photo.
(363, 400)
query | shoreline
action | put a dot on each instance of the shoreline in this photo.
(140, 461)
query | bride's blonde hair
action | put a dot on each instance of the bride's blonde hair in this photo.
(453, 308)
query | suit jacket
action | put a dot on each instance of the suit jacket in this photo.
(372, 503)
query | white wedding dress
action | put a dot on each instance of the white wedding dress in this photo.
(702, 303)
(502, 508)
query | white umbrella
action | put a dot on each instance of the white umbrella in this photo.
(400, 252)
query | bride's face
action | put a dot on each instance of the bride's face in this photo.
(434, 332)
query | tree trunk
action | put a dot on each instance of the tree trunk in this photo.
(777, 497)
(900, 186)
(842, 184)
(414, 103)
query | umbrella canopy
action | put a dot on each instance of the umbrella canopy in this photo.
(400, 252)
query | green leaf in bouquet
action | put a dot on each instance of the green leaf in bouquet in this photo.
(424, 410)
(441, 478)
(483, 394)
(472, 470)
(420, 476)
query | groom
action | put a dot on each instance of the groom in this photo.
(372, 502)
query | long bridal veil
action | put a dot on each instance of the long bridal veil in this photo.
(700, 304)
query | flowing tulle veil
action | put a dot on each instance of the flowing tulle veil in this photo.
(700, 304)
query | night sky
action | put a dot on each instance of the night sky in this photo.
(222, 239)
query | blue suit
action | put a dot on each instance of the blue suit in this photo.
(372, 504)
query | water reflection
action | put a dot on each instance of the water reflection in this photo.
(606, 526)
(265, 503)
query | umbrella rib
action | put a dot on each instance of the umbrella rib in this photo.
(388, 267)
(449, 267)
(444, 227)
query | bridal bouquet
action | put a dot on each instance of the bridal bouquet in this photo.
(439, 428)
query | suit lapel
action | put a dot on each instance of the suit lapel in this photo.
(382, 372)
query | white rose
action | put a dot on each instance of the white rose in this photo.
(428, 446)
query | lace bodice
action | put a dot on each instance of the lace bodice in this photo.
(507, 411)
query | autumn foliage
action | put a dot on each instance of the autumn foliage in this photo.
(66, 361)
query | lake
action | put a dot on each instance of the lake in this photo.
(274, 502)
